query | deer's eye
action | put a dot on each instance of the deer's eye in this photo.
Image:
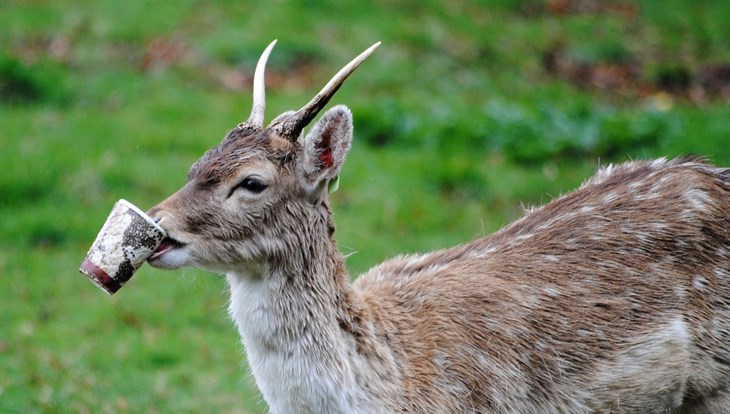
(251, 184)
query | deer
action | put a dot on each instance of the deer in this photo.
(613, 298)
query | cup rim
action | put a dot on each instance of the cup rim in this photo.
(142, 214)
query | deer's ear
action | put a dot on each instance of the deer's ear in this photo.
(325, 148)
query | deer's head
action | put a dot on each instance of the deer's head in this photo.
(258, 193)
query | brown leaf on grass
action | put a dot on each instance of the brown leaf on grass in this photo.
(163, 52)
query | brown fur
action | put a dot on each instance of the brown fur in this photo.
(614, 298)
(563, 294)
(555, 313)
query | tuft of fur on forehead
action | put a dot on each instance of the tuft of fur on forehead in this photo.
(239, 146)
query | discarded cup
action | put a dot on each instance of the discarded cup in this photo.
(127, 239)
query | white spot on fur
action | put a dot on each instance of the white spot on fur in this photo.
(583, 333)
(680, 292)
(489, 250)
(721, 273)
(700, 283)
(609, 198)
(586, 209)
(597, 237)
(635, 185)
(697, 198)
(601, 175)
(551, 258)
(551, 291)
(523, 237)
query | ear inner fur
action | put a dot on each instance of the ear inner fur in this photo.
(325, 157)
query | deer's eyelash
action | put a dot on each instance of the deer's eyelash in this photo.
(252, 184)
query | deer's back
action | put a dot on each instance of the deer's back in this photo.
(613, 297)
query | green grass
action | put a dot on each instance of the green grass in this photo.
(458, 124)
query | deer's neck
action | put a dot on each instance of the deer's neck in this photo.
(296, 322)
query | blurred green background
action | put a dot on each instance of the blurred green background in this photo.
(467, 112)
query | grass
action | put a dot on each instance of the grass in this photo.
(468, 111)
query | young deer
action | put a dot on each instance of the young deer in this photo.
(614, 298)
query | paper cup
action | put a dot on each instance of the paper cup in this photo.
(127, 239)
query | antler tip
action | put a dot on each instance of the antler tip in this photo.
(292, 125)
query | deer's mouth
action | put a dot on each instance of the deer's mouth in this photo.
(165, 247)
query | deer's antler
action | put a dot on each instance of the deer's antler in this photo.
(292, 126)
(255, 121)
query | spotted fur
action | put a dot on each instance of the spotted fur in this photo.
(614, 298)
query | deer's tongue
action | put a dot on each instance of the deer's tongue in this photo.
(166, 246)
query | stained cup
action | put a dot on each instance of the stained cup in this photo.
(126, 240)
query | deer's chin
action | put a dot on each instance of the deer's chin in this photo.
(170, 255)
